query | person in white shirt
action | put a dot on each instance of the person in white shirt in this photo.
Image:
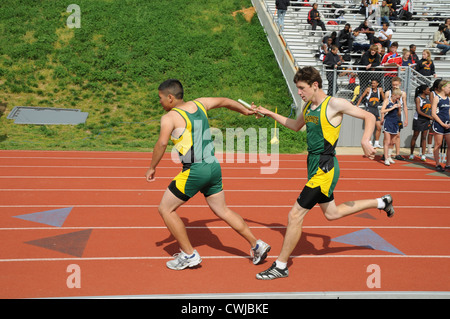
(384, 36)
(439, 40)
(360, 42)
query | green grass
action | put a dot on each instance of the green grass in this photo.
(112, 65)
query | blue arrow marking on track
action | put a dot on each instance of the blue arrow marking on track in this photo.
(367, 238)
(55, 217)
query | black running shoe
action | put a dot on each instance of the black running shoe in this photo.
(439, 168)
(399, 157)
(273, 273)
(388, 208)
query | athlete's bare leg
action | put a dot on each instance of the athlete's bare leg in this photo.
(293, 231)
(218, 205)
(333, 212)
(167, 210)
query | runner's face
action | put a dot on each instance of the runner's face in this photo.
(395, 98)
(446, 89)
(395, 85)
(165, 101)
(306, 91)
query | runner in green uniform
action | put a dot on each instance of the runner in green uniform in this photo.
(322, 116)
(186, 124)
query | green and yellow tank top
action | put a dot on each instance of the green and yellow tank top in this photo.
(194, 145)
(322, 137)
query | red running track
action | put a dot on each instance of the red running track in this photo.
(128, 246)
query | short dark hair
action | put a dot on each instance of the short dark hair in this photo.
(309, 75)
(172, 86)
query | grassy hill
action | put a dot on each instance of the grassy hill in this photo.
(112, 65)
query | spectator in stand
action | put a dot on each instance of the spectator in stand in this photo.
(439, 40)
(384, 36)
(364, 8)
(371, 59)
(325, 48)
(394, 60)
(360, 42)
(413, 55)
(392, 5)
(426, 66)
(367, 30)
(345, 39)
(384, 12)
(282, 6)
(447, 31)
(422, 120)
(332, 61)
(314, 18)
(374, 97)
(406, 61)
(333, 37)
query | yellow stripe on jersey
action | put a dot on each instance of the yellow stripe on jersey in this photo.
(201, 107)
(184, 143)
(330, 132)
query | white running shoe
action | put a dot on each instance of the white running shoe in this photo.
(391, 160)
(423, 158)
(260, 251)
(387, 163)
(183, 260)
(377, 145)
(411, 157)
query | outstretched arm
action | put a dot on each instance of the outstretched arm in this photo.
(215, 102)
(293, 124)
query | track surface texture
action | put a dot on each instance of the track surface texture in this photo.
(86, 224)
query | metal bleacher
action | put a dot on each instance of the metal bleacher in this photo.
(303, 43)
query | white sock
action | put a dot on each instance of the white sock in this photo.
(381, 203)
(280, 264)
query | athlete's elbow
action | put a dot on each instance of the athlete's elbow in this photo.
(162, 144)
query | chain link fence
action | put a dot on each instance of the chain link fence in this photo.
(350, 81)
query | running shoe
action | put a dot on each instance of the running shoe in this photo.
(439, 168)
(387, 163)
(388, 208)
(423, 158)
(273, 273)
(391, 160)
(377, 145)
(260, 251)
(183, 260)
(399, 157)
(411, 157)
